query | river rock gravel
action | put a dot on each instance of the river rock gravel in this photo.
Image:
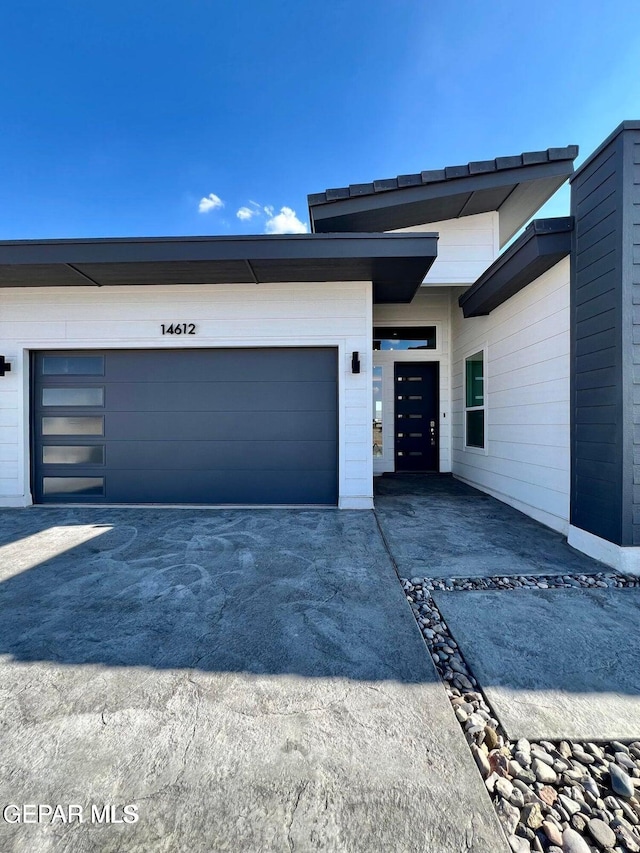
(566, 796)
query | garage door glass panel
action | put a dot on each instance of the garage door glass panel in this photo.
(65, 486)
(73, 365)
(73, 426)
(54, 454)
(73, 396)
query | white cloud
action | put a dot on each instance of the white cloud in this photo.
(210, 202)
(246, 213)
(285, 222)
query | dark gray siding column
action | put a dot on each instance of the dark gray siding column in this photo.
(631, 331)
(605, 343)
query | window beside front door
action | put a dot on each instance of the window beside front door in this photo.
(475, 400)
(377, 412)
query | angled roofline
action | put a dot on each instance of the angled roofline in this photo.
(542, 244)
(395, 263)
(516, 186)
(624, 125)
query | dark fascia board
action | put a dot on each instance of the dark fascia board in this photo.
(404, 201)
(234, 247)
(395, 263)
(625, 125)
(543, 243)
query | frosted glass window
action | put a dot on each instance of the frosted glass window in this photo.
(73, 365)
(72, 426)
(73, 396)
(67, 454)
(68, 486)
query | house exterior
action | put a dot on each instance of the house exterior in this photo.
(406, 333)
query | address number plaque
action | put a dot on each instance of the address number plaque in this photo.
(178, 328)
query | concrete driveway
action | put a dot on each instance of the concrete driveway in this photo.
(247, 680)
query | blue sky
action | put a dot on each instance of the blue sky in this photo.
(118, 118)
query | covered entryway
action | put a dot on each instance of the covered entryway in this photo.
(210, 426)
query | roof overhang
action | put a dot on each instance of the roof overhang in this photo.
(516, 187)
(395, 263)
(541, 245)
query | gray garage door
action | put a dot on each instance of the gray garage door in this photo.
(250, 426)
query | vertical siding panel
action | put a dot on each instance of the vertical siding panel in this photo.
(631, 319)
(596, 343)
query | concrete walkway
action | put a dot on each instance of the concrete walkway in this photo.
(553, 663)
(437, 526)
(250, 681)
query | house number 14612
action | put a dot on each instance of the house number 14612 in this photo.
(178, 328)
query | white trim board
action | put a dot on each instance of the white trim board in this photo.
(623, 559)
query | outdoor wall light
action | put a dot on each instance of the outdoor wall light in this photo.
(355, 362)
(5, 366)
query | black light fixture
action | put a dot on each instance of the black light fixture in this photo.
(5, 366)
(355, 362)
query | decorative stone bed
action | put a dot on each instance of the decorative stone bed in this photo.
(556, 797)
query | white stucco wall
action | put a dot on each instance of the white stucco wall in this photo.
(327, 314)
(526, 461)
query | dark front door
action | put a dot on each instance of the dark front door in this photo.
(416, 416)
